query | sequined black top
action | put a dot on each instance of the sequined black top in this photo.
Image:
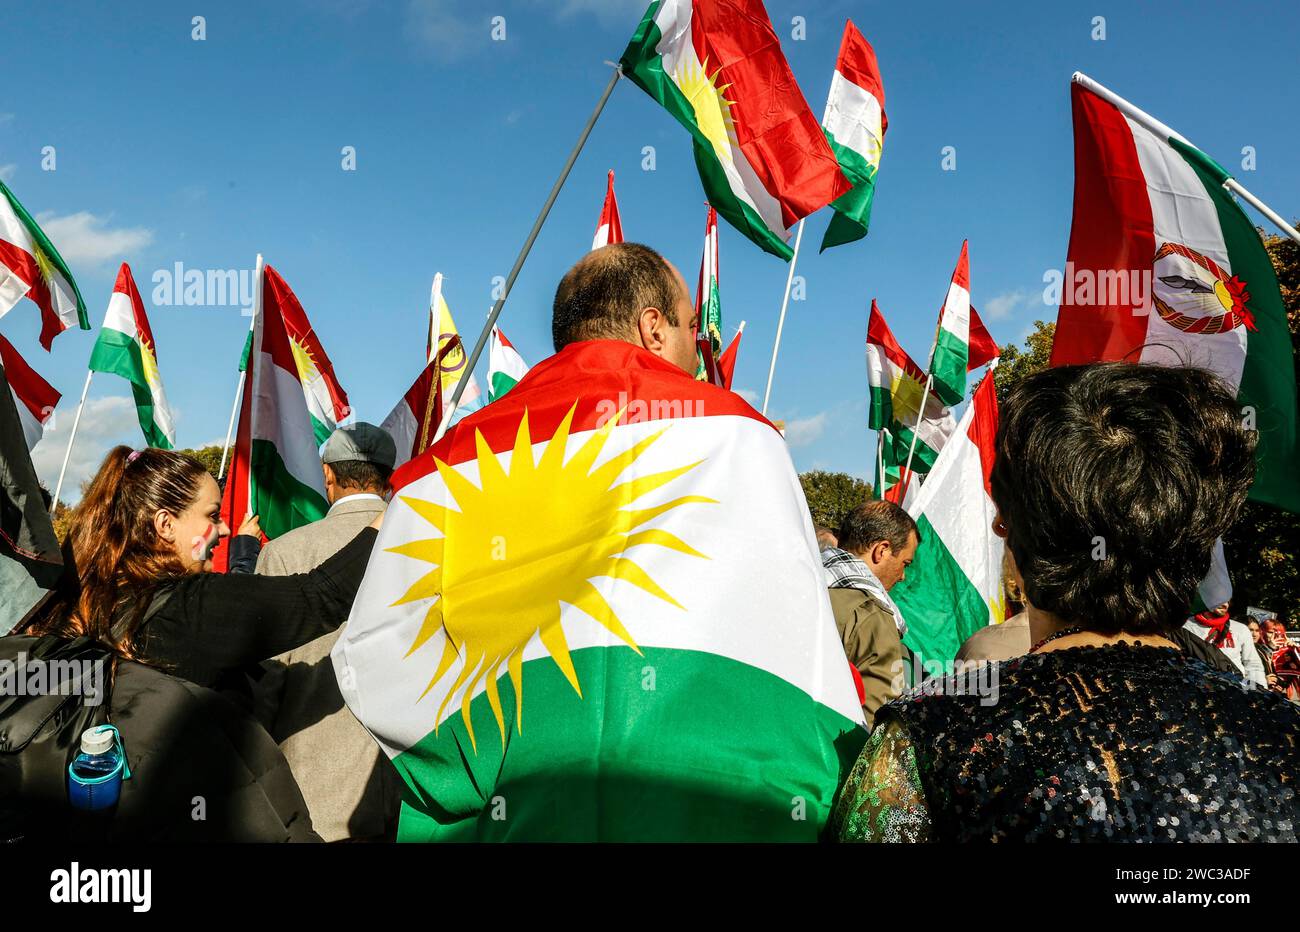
(1117, 743)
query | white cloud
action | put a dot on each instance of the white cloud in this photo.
(105, 423)
(436, 27)
(802, 431)
(749, 395)
(7, 172)
(85, 237)
(1005, 304)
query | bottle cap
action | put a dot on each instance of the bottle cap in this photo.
(97, 740)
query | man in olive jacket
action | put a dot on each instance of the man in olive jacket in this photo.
(877, 542)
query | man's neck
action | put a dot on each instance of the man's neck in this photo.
(340, 494)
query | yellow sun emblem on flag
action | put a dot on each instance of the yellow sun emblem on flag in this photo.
(303, 360)
(149, 362)
(708, 101)
(525, 541)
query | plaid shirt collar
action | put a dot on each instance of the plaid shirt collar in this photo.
(845, 571)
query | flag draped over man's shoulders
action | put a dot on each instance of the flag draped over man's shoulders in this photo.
(125, 347)
(596, 612)
(1151, 215)
(717, 67)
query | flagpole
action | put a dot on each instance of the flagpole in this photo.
(243, 374)
(67, 455)
(776, 345)
(472, 361)
(435, 317)
(920, 408)
(1160, 129)
(880, 462)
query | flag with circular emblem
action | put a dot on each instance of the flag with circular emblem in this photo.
(596, 612)
(1164, 267)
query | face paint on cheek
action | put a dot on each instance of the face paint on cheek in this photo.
(203, 545)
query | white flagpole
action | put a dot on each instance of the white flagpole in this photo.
(239, 387)
(67, 455)
(473, 357)
(1160, 129)
(880, 462)
(780, 324)
(435, 316)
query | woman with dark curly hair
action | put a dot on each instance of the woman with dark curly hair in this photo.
(1112, 482)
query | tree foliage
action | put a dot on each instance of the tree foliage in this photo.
(1263, 547)
(832, 495)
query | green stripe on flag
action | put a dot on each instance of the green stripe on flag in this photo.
(498, 384)
(1268, 380)
(880, 408)
(949, 367)
(852, 214)
(777, 774)
(119, 354)
(280, 501)
(941, 605)
(47, 248)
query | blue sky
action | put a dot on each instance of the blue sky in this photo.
(208, 152)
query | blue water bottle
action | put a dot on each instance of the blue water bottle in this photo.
(95, 775)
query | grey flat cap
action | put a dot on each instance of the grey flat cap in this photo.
(360, 441)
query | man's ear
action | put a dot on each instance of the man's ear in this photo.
(164, 525)
(329, 474)
(879, 551)
(650, 325)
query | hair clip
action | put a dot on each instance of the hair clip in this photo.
(130, 458)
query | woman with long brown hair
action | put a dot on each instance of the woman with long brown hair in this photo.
(138, 583)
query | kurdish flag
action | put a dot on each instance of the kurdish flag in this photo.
(716, 65)
(610, 228)
(453, 363)
(951, 359)
(954, 585)
(31, 267)
(585, 622)
(275, 472)
(327, 403)
(708, 303)
(855, 124)
(1150, 208)
(505, 366)
(897, 386)
(34, 398)
(126, 347)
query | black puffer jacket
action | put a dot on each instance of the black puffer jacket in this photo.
(201, 770)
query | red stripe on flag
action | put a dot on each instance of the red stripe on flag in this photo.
(599, 377)
(126, 285)
(1113, 231)
(775, 129)
(297, 326)
(857, 63)
(37, 395)
(879, 334)
(983, 429)
(982, 347)
(727, 361)
(24, 263)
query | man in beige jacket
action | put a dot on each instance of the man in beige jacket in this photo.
(877, 542)
(352, 791)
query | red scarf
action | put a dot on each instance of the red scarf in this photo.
(1220, 630)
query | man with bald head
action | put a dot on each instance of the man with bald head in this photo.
(627, 292)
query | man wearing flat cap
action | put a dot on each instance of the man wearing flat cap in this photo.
(351, 789)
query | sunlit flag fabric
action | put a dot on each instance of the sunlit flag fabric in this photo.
(610, 228)
(125, 347)
(453, 364)
(327, 403)
(275, 472)
(952, 348)
(414, 420)
(1152, 209)
(897, 385)
(598, 602)
(34, 398)
(30, 561)
(717, 67)
(505, 366)
(855, 124)
(31, 267)
(954, 585)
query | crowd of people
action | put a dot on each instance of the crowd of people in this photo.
(1118, 715)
